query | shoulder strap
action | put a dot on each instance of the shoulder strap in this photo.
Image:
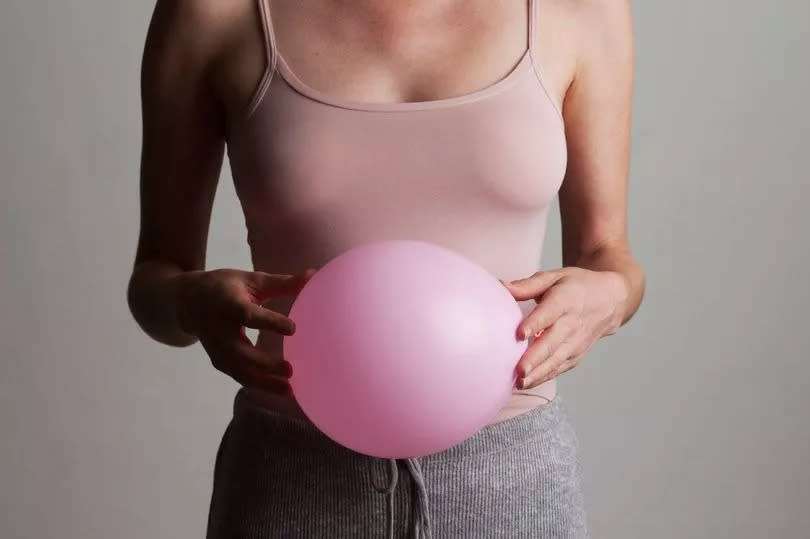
(270, 55)
(269, 34)
(532, 23)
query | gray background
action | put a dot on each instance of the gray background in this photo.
(694, 418)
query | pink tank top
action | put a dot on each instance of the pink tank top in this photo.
(317, 175)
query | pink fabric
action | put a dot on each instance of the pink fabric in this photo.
(476, 173)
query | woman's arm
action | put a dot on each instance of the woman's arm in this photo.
(181, 158)
(593, 196)
(600, 285)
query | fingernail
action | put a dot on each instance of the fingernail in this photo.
(524, 382)
(519, 334)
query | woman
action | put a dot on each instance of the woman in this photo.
(454, 122)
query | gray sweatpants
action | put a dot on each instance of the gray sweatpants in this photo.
(279, 477)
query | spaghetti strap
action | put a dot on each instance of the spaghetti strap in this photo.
(267, 26)
(532, 23)
(533, 53)
(270, 55)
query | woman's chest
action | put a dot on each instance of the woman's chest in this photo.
(504, 153)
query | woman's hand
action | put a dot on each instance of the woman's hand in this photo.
(216, 307)
(575, 308)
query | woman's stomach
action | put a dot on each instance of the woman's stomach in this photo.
(520, 401)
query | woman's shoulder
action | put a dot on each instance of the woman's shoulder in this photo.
(597, 23)
(200, 29)
(193, 42)
(576, 35)
(586, 20)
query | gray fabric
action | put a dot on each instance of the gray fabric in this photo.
(420, 523)
(277, 476)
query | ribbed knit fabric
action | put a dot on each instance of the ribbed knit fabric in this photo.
(277, 476)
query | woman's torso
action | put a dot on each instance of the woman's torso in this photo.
(321, 166)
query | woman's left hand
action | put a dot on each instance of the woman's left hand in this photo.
(575, 308)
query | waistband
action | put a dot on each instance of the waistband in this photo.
(286, 415)
(512, 431)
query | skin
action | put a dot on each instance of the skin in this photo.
(600, 285)
(204, 58)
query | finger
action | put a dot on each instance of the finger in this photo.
(261, 360)
(544, 346)
(265, 285)
(246, 372)
(232, 349)
(549, 309)
(547, 369)
(532, 286)
(304, 278)
(563, 367)
(307, 274)
(257, 380)
(567, 365)
(258, 317)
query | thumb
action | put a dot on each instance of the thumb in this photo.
(303, 278)
(274, 284)
(533, 286)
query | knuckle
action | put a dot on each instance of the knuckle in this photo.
(244, 312)
(562, 327)
(216, 279)
(556, 303)
(563, 351)
(544, 350)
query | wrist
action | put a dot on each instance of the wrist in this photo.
(619, 293)
(179, 289)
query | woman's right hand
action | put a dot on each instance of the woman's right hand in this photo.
(216, 306)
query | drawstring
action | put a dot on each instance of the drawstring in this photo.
(419, 526)
(421, 521)
(393, 474)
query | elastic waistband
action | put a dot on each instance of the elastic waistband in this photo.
(490, 438)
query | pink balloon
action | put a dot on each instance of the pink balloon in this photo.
(403, 348)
